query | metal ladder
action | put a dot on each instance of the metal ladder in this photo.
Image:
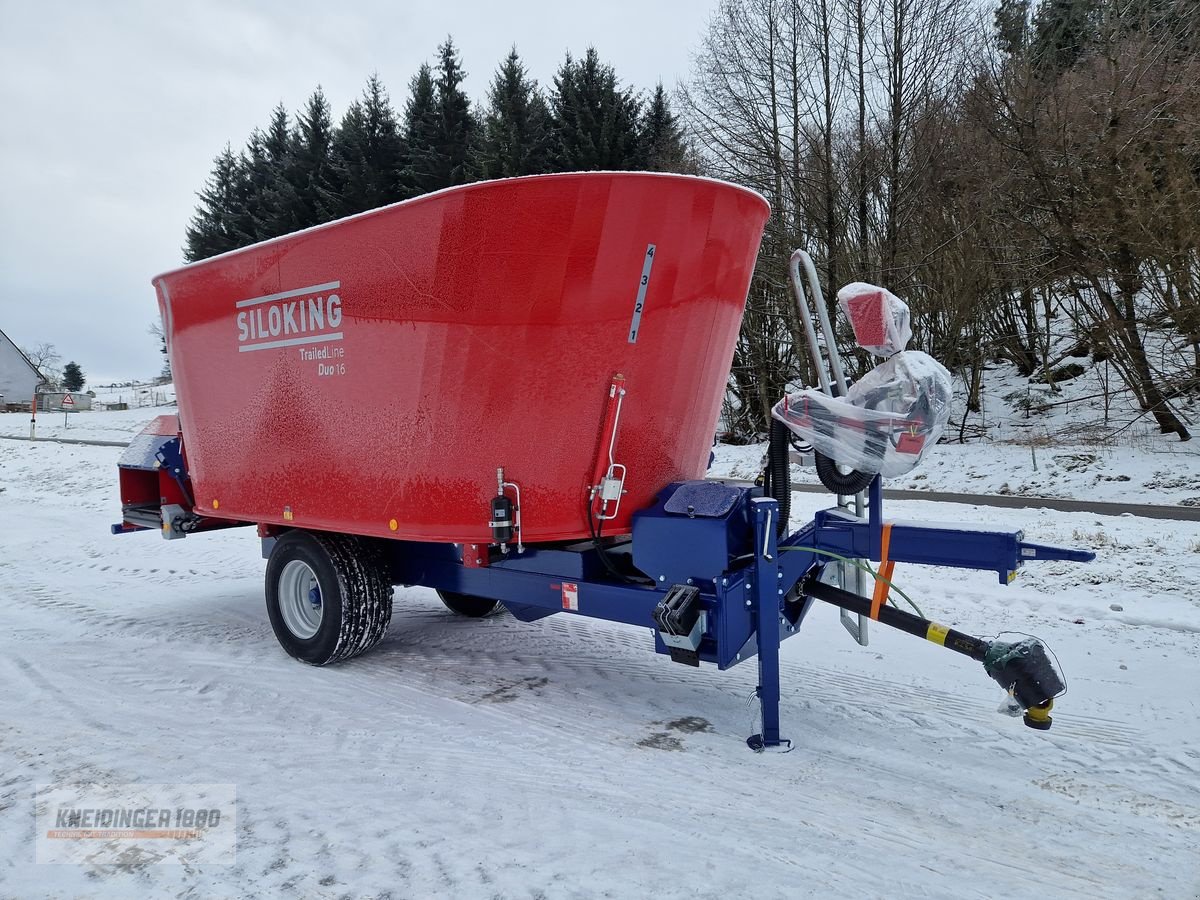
(832, 379)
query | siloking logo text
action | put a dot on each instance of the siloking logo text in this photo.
(306, 315)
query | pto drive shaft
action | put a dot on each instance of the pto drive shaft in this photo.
(1021, 668)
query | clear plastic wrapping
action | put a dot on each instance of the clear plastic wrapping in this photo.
(879, 318)
(887, 421)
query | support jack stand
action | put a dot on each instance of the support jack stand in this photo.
(755, 743)
(767, 615)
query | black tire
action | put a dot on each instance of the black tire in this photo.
(469, 606)
(353, 594)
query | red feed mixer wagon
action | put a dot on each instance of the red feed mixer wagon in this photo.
(508, 392)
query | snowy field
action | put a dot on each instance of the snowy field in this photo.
(564, 758)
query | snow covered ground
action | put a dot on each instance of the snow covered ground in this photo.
(565, 759)
(1165, 474)
(92, 425)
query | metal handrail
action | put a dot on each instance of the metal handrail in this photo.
(834, 377)
(801, 257)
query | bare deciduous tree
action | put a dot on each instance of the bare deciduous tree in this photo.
(45, 358)
(997, 186)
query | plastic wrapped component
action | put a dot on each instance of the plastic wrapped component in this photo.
(1010, 706)
(887, 421)
(1024, 669)
(879, 318)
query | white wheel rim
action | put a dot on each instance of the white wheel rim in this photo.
(300, 601)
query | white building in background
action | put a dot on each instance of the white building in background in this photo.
(18, 377)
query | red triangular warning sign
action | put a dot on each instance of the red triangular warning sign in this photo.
(68, 400)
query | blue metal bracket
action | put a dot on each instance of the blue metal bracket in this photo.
(962, 546)
(768, 604)
(127, 528)
(1045, 552)
(170, 457)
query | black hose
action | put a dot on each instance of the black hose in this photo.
(842, 484)
(602, 552)
(778, 483)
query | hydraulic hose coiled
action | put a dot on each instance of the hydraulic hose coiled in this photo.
(840, 483)
(779, 476)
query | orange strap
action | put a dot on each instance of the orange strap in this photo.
(886, 567)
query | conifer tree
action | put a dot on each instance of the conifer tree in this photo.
(72, 377)
(216, 226)
(456, 121)
(367, 156)
(595, 120)
(660, 140)
(1012, 27)
(1062, 31)
(421, 133)
(439, 126)
(251, 189)
(339, 192)
(298, 172)
(383, 145)
(276, 206)
(311, 142)
(515, 136)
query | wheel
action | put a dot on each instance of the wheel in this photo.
(466, 605)
(328, 596)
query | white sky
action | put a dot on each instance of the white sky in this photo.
(114, 110)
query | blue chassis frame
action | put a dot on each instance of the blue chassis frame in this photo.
(752, 599)
(721, 539)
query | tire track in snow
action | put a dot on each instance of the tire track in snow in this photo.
(800, 680)
(465, 725)
(43, 685)
(108, 623)
(448, 641)
(570, 715)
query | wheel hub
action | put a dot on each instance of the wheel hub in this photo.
(300, 601)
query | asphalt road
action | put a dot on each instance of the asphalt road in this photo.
(14, 437)
(1016, 501)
